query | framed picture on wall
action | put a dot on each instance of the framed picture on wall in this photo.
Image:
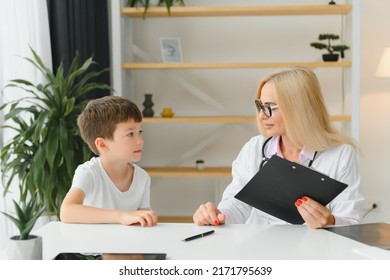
(170, 49)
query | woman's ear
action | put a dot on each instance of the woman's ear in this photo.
(100, 144)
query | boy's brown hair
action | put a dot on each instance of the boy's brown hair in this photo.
(100, 117)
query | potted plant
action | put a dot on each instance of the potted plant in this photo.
(25, 246)
(47, 147)
(148, 3)
(331, 55)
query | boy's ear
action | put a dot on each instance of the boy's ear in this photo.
(100, 144)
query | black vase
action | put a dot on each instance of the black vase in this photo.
(330, 57)
(148, 104)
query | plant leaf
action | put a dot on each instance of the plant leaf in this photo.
(47, 147)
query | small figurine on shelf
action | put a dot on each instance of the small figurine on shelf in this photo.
(148, 104)
(200, 164)
(167, 112)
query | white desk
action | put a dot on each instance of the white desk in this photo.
(234, 242)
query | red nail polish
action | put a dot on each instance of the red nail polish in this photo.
(298, 203)
(216, 223)
(304, 198)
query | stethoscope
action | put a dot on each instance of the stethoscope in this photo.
(264, 158)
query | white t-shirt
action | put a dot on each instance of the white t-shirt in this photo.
(101, 192)
(340, 163)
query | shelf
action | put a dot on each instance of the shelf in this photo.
(188, 171)
(209, 119)
(223, 119)
(231, 65)
(297, 10)
(175, 219)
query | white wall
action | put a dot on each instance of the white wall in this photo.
(253, 39)
(375, 104)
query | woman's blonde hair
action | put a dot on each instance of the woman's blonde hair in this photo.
(301, 104)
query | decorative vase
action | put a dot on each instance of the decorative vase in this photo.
(200, 164)
(167, 112)
(148, 104)
(330, 57)
(29, 249)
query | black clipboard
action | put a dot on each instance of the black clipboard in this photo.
(279, 183)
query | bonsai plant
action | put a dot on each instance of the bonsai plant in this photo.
(147, 4)
(47, 148)
(331, 55)
(25, 245)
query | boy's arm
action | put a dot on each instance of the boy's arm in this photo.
(73, 211)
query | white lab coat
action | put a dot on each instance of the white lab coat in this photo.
(340, 163)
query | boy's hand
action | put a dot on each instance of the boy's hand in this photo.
(146, 218)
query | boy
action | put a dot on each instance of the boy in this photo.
(110, 188)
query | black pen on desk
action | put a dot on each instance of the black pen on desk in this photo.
(198, 235)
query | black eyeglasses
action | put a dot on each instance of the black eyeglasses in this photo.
(267, 109)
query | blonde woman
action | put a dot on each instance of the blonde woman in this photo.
(294, 124)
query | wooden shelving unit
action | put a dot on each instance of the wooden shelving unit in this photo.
(175, 219)
(234, 11)
(157, 12)
(188, 171)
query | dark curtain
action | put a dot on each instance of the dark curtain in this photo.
(80, 25)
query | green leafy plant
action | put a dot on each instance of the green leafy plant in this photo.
(25, 217)
(146, 4)
(328, 46)
(47, 147)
